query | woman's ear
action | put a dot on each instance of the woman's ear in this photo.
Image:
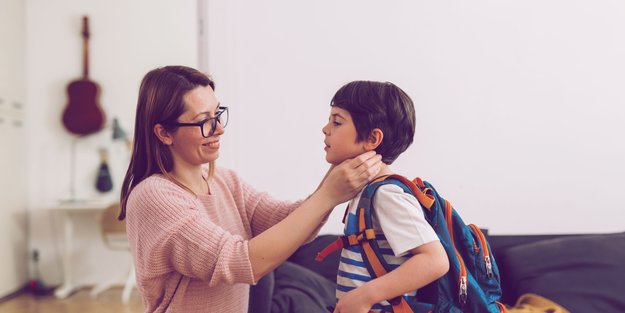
(163, 135)
(374, 139)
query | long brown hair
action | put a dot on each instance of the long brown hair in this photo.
(160, 102)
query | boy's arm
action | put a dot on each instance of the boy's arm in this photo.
(428, 263)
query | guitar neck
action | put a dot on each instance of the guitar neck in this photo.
(85, 47)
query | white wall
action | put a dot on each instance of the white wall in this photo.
(128, 38)
(520, 109)
(13, 240)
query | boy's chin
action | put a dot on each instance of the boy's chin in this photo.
(332, 161)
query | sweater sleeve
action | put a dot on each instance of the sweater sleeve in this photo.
(262, 210)
(168, 233)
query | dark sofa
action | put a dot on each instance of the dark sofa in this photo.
(583, 273)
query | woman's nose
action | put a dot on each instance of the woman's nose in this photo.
(219, 129)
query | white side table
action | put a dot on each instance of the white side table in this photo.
(68, 212)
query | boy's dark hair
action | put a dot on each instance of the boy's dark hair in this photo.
(379, 105)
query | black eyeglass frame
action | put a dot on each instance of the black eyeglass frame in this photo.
(214, 120)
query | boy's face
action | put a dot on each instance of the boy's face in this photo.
(340, 137)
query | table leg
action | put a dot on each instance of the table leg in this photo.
(68, 286)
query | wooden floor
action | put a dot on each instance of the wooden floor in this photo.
(110, 301)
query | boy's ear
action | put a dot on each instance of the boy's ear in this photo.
(374, 139)
(163, 135)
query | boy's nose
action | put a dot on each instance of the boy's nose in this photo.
(324, 129)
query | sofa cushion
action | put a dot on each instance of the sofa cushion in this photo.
(582, 273)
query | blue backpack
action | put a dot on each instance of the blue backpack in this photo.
(472, 283)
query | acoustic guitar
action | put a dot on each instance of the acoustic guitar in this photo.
(83, 114)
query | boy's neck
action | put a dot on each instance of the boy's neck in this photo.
(384, 170)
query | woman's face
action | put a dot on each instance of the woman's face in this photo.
(188, 145)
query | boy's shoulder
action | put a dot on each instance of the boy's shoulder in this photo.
(387, 199)
(393, 199)
(391, 190)
(397, 214)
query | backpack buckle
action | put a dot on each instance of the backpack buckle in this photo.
(355, 239)
(345, 241)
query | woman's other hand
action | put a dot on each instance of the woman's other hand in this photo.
(345, 180)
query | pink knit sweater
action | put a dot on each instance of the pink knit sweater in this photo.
(191, 253)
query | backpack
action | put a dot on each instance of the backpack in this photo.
(472, 283)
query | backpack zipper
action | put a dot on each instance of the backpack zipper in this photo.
(462, 281)
(482, 239)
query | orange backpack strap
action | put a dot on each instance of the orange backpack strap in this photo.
(329, 249)
(416, 186)
(400, 305)
(370, 257)
(366, 238)
(344, 241)
(337, 244)
(370, 250)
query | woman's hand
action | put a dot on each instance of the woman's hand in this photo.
(273, 246)
(345, 180)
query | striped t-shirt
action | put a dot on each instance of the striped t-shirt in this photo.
(400, 226)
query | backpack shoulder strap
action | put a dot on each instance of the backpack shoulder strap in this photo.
(371, 255)
(370, 251)
(363, 214)
(418, 189)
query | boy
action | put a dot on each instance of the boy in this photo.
(378, 116)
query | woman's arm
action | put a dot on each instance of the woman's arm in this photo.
(168, 233)
(276, 244)
(263, 211)
(325, 218)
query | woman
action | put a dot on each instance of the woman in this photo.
(198, 233)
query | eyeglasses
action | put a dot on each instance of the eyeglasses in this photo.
(209, 125)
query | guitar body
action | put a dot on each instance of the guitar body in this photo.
(83, 114)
